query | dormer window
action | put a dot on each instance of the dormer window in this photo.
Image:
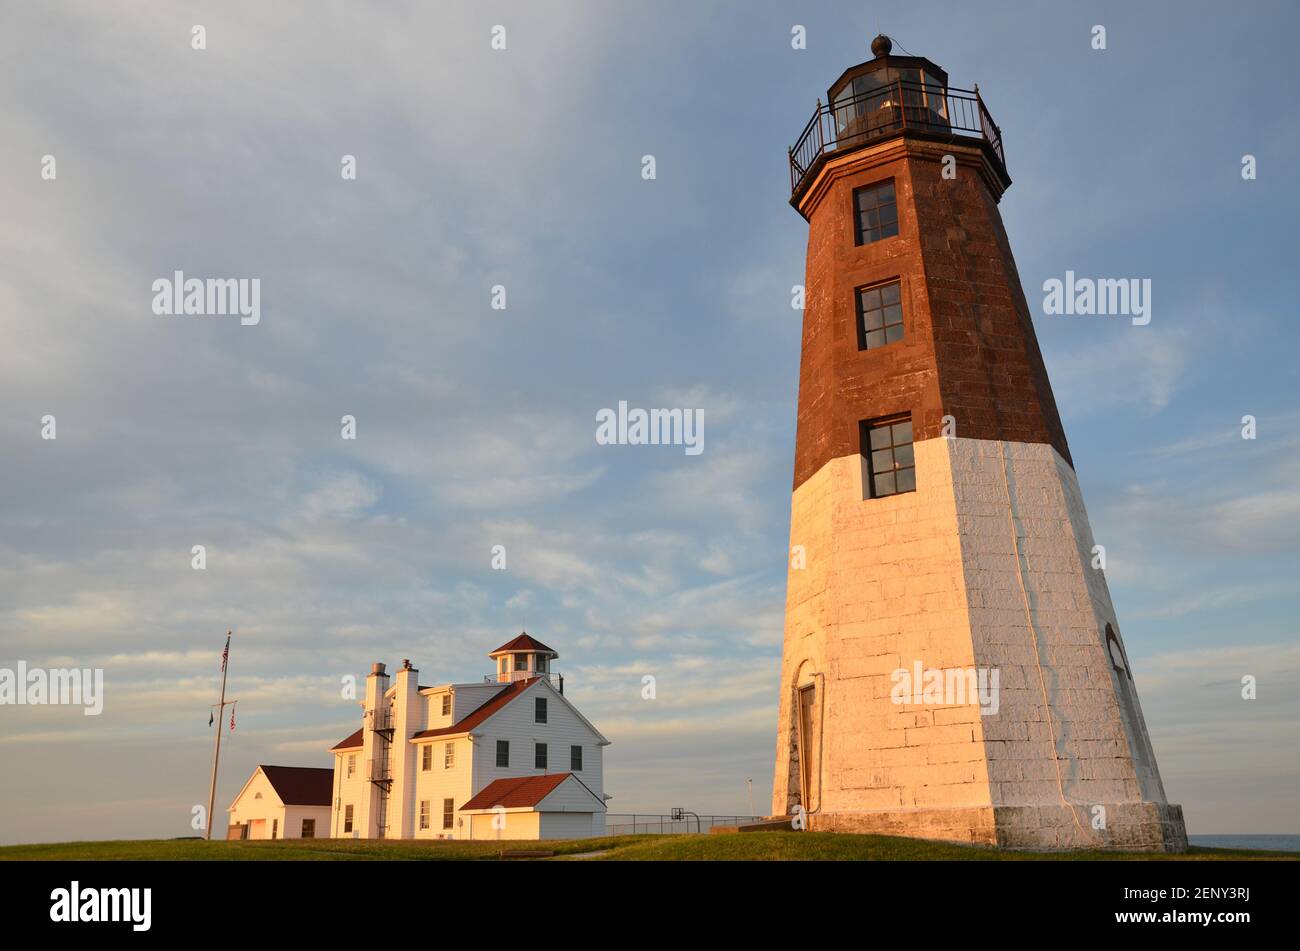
(446, 704)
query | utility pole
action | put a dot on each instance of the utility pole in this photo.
(216, 756)
(750, 782)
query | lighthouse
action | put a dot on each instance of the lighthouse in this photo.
(953, 666)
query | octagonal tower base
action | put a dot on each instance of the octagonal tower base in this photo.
(1132, 827)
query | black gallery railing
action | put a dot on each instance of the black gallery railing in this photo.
(900, 105)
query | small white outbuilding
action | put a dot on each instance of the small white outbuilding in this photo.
(283, 802)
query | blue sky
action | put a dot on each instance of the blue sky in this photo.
(476, 426)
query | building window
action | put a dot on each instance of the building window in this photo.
(275, 828)
(539, 756)
(347, 818)
(352, 764)
(887, 444)
(309, 828)
(449, 756)
(426, 757)
(503, 754)
(575, 759)
(521, 663)
(539, 710)
(446, 704)
(876, 212)
(880, 315)
(424, 813)
(448, 813)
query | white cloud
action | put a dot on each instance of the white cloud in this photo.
(1144, 369)
(345, 495)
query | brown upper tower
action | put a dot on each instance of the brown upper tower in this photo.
(899, 178)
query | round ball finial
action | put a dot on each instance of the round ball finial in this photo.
(881, 45)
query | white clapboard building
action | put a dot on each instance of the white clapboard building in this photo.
(282, 802)
(508, 757)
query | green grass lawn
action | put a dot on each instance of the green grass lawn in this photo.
(749, 846)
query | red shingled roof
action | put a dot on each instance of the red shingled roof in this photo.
(351, 743)
(523, 643)
(301, 785)
(517, 792)
(482, 713)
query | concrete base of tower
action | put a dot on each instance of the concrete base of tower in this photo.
(1128, 826)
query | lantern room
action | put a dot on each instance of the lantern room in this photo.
(888, 93)
(886, 97)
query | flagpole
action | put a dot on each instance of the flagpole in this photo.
(216, 756)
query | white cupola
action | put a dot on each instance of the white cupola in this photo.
(522, 658)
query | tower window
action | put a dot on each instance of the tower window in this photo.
(887, 444)
(876, 211)
(880, 315)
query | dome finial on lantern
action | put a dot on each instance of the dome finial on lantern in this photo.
(881, 45)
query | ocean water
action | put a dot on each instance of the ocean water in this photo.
(1275, 843)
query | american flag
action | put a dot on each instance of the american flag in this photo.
(232, 718)
(225, 654)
